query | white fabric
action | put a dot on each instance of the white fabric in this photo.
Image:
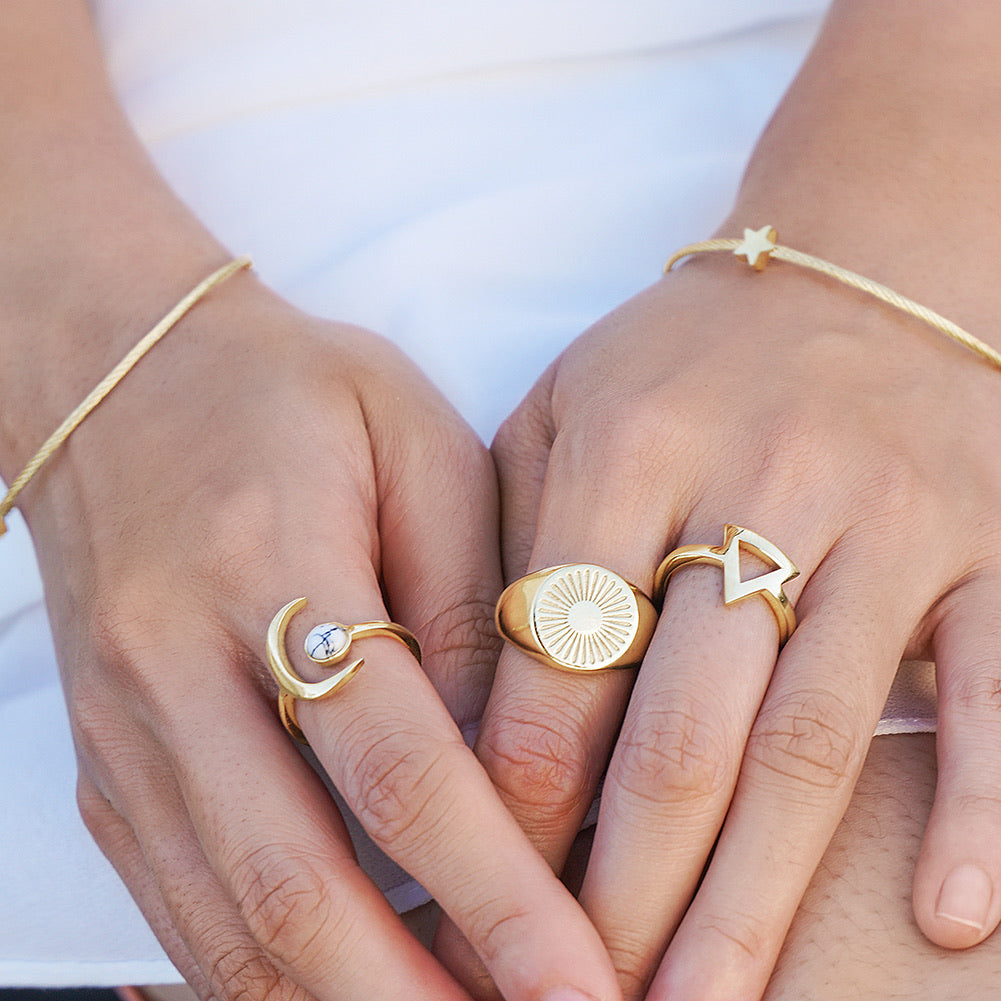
(912, 706)
(478, 182)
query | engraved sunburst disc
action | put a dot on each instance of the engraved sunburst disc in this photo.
(585, 617)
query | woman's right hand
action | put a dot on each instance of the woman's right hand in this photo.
(254, 456)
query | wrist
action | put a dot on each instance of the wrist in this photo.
(882, 157)
(70, 326)
(94, 247)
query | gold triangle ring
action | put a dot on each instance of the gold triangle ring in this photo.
(768, 585)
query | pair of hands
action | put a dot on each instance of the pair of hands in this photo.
(259, 455)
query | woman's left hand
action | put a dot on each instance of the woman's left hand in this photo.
(861, 443)
(865, 450)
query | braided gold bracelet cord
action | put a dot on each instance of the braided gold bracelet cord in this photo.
(113, 378)
(760, 245)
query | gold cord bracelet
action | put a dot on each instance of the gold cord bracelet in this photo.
(113, 378)
(760, 245)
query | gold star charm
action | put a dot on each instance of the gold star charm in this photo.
(757, 246)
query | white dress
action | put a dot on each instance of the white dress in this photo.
(479, 182)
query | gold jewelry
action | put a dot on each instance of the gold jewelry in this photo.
(113, 378)
(768, 585)
(326, 644)
(577, 617)
(760, 245)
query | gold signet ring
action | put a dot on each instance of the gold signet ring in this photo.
(326, 644)
(768, 585)
(577, 617)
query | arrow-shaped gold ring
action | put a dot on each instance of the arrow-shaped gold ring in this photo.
(768, 585)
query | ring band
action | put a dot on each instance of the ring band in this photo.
(577, 617)
(326, 644)
(768, 585)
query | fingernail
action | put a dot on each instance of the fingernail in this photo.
(566, 994)
(965, 897)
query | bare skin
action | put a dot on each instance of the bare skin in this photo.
(854, 935)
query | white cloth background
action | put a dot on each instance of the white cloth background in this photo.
(478, 182)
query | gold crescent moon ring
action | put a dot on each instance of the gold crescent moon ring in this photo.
(327, 644)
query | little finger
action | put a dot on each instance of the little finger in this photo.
(117, 840)
(957, 884)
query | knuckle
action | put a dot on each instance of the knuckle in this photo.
(242, 973)
(118, 635)
(977, 691)
(287, 904)
(809, 737)
(98, 815)
(635, 961)
(97, 730)
(128, 642)
(433, 439)
(675, 756)
(400, 790)
(744, 946)
(898, 487)
(508, 447)
(235, 550)
(797, 447)
(463, 626)
(528, 430)
(982, 802)
(754, 941)
(461, 642)
(538, 762)
(493, 926)
(628, 445)
(107, 736)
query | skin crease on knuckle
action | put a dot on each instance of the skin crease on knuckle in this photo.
(810, 738)
(527, 433)
(99, 817)
(459, 643)
(291, 904)
(242, 973)
(402, 788)
(654, 434)
(674, 759)
(538, 761)
(635, 963)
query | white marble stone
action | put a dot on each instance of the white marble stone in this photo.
(326, 641)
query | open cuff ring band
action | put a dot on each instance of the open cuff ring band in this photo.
(577, 617)
(768, 585)
(326, 644)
